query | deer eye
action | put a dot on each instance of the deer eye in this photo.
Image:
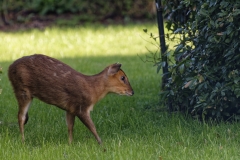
(122, 78)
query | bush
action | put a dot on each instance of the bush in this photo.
(204, 80)
(93, 10)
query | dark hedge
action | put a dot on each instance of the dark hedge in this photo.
(85, 9)
(204, 79)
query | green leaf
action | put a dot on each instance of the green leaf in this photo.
(178, 30)
(145, 30)
(181, 68)
(158, 68)
(179, 47)
(204, 12)
(236, 12)
(228, 40)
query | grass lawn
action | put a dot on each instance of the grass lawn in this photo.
(130, 127)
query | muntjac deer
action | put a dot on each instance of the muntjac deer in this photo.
(53, 82)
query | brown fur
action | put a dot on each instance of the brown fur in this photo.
(53, 82)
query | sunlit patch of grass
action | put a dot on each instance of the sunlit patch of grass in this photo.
(91, 40)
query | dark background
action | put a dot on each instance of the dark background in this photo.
(24, 14)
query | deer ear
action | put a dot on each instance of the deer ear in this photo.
(114, 68)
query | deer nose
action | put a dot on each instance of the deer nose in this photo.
(130, 93)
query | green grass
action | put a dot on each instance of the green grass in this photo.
(130, 127)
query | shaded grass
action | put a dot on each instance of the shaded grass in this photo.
(130, 127)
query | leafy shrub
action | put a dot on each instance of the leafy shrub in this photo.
(93, 10)
(204, 80)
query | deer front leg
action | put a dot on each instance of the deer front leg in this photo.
(87, 121)
(70, 118)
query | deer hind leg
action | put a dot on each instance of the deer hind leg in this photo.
(70, 118)
(87, 121)
(24, 102)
